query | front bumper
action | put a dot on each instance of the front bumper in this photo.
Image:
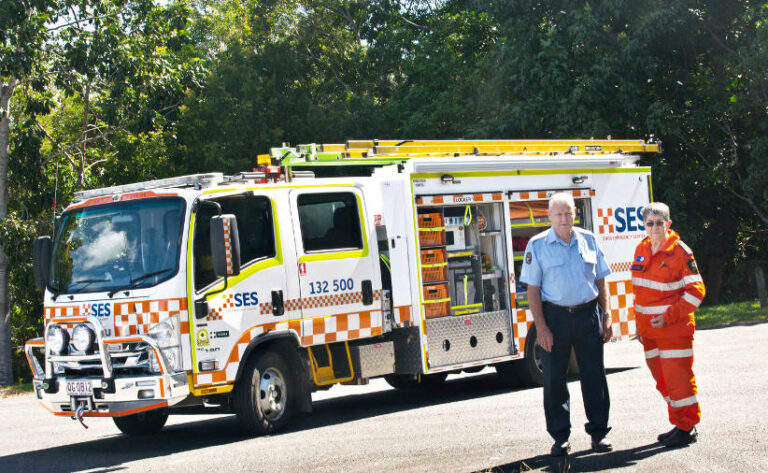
(118, 384)
(131, 395)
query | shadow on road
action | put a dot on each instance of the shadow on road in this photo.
(582, 461)
(109, 454)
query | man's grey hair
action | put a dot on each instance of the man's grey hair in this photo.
(562, 198)
(656, 208)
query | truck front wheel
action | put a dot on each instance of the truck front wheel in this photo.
(143, 423)
(264, 396)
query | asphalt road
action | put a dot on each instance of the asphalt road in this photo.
(473, 424)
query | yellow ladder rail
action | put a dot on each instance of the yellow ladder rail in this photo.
(375, 148)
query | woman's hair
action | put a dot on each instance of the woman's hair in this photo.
(656, 208)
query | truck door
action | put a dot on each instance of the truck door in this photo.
(338, 266)
(245, 306)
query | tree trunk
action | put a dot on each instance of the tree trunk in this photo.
(762, 294)
(84, 147)
(6, 364)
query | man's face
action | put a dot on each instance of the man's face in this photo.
(561, 215)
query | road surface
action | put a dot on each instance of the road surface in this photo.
(473, 424)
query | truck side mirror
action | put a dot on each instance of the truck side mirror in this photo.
(41, 250)
(225, 245)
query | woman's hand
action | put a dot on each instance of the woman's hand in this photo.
(658, 321)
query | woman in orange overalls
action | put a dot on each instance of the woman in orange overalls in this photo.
(668, 288)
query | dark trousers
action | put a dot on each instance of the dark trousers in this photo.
(581, 330)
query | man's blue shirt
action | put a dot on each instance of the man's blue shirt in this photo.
(565, 273)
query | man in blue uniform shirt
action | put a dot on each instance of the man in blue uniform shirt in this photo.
(565, 272)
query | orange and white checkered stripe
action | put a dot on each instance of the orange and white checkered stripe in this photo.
(604, 224)
(620, 267)
(340, 327)
(50, 312)
(228, 374)
(228, 245)
(315, 331)
(521, 321)
(403, 315)
(132, 317)
(541, 195)
(292, 305)
(136, 317)
(621, 300)
(458, 198)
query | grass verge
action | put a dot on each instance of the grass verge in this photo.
(6, 391)
(748, 311)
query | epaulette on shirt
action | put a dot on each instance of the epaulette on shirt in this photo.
(685, 247)
(538, 236)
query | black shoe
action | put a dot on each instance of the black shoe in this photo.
(602, 445)
(661, 437)
(560, 449)
(680, 438)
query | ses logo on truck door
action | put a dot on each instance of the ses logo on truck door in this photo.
(621, 220)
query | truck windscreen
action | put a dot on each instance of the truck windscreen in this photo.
(117, 246)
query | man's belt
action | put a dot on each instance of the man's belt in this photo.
(573, 308)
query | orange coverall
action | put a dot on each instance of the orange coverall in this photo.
(668, 283)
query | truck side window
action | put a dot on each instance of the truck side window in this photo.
(255, 227)
(329, 221)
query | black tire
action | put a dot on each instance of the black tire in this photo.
(424, 381)
(265, 395)
(143, 423)
(525, 372)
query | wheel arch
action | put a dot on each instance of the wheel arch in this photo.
(287, 345)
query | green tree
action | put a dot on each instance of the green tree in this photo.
(100, 82)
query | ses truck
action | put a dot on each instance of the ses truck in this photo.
(327, 264)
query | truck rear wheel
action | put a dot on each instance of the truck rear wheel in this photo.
(424, 381)
(143, 423)
(525, 372)
(264, 396)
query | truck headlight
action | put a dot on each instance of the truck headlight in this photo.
(57, 340)
(83, 338)
(166, 335)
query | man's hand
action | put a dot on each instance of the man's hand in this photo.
(658, 321)
(607, 329)
(545, 338)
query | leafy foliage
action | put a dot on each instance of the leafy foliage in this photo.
(119, 91)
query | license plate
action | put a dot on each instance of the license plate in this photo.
(80, 388)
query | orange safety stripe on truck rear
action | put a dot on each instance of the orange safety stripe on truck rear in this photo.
(458, 198)
(539, 195)
(621, 300)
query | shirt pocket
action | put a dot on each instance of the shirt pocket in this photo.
(590, 264)
(552, 263)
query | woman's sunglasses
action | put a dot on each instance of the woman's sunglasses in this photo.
(651, 223)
